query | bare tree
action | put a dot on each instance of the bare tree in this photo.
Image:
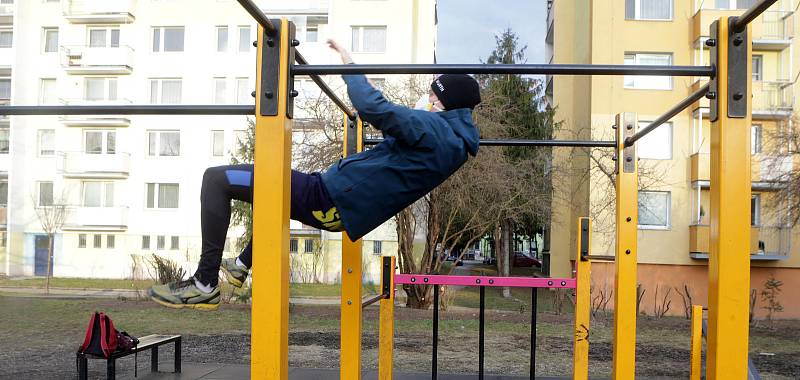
(781, 152)
(52, 215)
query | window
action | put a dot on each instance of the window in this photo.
(377, 248)
(312, 33)
(47, 91)
(162, 195)
(312, 27)
(368, 39)
(110, 241)
(654, 209)
(4, 138)
(222, 39)
(97, 194)
(163, 143)
(6, 38)
(755, 138)
(217, 143)
(758, 71)
(50, 37)
(145, 242)
(648, 82)
(99, 142)
(648, 9)
(97, 89)
(656, 145)
(174, 243)
(220, 90)
(734, 4)
(98, 241)
(167, 39)
(309, 246)
(160, 242)
(47, 142)
(244, 39)
(755, 210)
(5, 88)
(243, 91)
(104, 37)
(81, 240)
(4, 193)
(165, 91)
(293, 245)
(45, 193)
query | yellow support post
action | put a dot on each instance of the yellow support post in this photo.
(271, 201)
(729, 259)
(697, 342)
(624, 355)
(583, 276)
(386, 331)
(350, 351)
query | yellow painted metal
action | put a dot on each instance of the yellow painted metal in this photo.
(729, 259)
(697, 342)
(386, 332)
(624, 355)
(350, 336)
(271, 200)
(583, 275)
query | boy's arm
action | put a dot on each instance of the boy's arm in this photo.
(394, 120)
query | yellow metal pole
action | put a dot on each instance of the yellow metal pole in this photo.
(729, 259)
(271, 200)
(386, 332)
(350, 352)
(583, 275)
(624, 355)
(697, 342)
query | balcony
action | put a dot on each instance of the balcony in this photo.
(772, 100)
(97, 60)
(6, 14)
(766, 242)
(766, 172)
(771, 31)
(99, 11)
(81, 218)
(86, 165)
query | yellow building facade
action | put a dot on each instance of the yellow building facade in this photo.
(674, 210)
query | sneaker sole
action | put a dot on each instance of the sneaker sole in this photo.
(231, 279)
(197, 306)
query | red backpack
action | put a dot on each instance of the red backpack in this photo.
(101, 337)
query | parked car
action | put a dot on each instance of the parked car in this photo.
(522, 259)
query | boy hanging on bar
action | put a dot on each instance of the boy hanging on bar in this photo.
(421, 149)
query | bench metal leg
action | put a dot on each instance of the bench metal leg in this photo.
(154, 359)
(83, 370)
(111, 369)
(178, 356)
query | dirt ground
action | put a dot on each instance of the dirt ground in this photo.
(39, 339)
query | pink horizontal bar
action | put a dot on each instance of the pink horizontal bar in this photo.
(517, 282)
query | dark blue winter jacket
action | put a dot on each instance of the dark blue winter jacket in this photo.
(420, 150)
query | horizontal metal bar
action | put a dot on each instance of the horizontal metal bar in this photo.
(678, 108)
(600, 257)
(131, 110)
(515, 282)
(258, 15)
(549, 69)
(370, 301)
(324, 87)
(751, 14)
(492, 142)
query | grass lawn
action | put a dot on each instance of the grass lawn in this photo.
(78, 283)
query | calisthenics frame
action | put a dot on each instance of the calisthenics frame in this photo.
(729, 92)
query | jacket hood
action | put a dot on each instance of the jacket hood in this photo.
(460, 120)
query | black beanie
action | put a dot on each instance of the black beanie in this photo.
(456, 91)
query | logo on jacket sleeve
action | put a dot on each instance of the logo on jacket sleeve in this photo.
(330, 219)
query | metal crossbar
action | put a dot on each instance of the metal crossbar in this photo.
(751, 14)
(514, 282)
(326, 89)
(131, 110)
(678, 108)
(567, 143)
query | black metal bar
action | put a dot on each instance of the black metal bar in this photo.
(750, 14)
(258, 15)
(609, 258)
(154, 359)
(534, 309)
(481, 332)
(111, 369)
(435, 358)
(678, 108)
(325, 88)
(83, 367)
(369, 301)
(178, 355)
(548, 69)
(494, 142)
(131, 110)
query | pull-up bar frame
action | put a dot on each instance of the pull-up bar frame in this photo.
(544, 69)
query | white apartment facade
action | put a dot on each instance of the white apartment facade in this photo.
(132, 183)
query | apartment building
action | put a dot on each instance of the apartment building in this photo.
(131, 184)
(673, 238)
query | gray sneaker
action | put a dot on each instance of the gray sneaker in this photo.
(235, 273)
(185, 294)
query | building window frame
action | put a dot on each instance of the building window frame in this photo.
(154, 199)
(755, 210)
(81, 240)
(158, 39)
(377, 247)
(49, 46)
(636, 7)
(357, 33)
(45, 147)
(635, 58)
(654, 138)
(222, 39)
(293, 243)
(155, 144)
(756, 138)
(155, 91)
(668, 209)
(9, 32)
(758, 67)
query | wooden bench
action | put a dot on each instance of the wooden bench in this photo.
(150, 342)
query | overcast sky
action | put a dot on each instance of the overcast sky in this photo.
(467, 28)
